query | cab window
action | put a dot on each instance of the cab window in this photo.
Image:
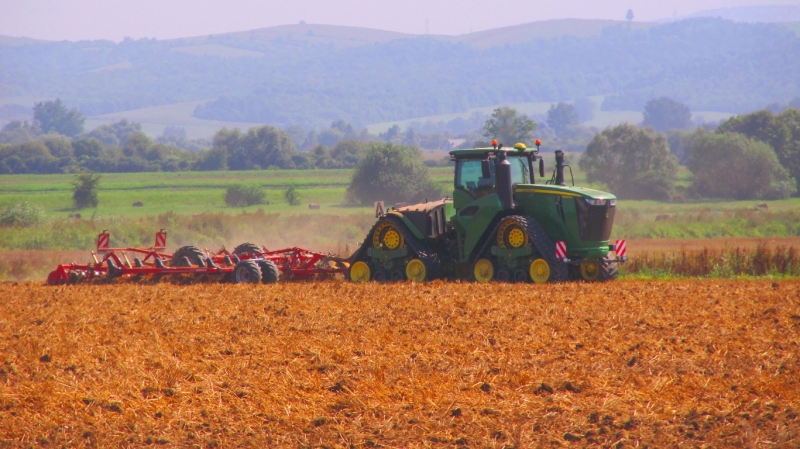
(471, 176)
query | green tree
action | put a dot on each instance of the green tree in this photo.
(734, 166)
(84, 190)
(629, 15)
(781, 132)
(346, 153)
(635, 163)
(508, 127)
(663, 114)
(117, 133)
(391, 173)
(261, 147)
(292, 196)
(137, 145)
(90, 148)
(562, 115)
(19, 132)
(54, 116)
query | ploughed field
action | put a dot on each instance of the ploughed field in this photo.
(333, 364)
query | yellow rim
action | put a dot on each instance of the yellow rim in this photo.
(483, 270)
(510, 235)
(590, 271)
(540, 271)
(416, 271)
(359, 272)
(388, 236)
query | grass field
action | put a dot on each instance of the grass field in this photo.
(188, 192)
(635, 364)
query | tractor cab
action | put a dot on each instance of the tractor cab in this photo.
(478, 198)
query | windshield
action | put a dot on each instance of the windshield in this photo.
(519, 170)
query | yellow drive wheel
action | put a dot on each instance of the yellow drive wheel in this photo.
(416, 271)
(359, 272)
(590, 270)
(387, 236)
(483, 270)
(510, 235)
(540, 271)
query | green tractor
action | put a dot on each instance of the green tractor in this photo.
(500, 225)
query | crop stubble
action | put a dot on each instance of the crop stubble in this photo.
(441, 364)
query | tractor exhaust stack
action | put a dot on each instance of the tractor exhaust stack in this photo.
(560, 168)
(505, 189)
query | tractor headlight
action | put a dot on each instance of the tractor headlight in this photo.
(596, 202)
(612, 203)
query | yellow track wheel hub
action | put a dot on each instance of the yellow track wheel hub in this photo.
(590, 271)
(510, 235)
(416, 271)
(387, 236)
(540, 271)
(359, 272)
(483, 270)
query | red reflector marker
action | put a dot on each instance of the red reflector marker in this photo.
(622, 251)
(561, 250)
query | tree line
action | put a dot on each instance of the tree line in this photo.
(750, 156)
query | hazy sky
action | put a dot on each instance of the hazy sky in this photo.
(163, 19)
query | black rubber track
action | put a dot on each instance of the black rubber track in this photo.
(559, 271)
(418, 250)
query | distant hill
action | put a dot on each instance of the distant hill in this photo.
(548, 29)
(752, 14)
(14, 41)
(312, 75)
(338, 36)
(344, 36)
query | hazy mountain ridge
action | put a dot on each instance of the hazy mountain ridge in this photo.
(762, 13)
(284, 75)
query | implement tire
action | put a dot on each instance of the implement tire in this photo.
(247, 248)
(269, 271)
(247, 272)
(192, 253)
(608, 271)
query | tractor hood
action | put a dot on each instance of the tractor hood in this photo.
(573, 192)
(426, 220)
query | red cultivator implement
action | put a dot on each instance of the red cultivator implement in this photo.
(247, 263)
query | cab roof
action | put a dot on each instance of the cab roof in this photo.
(483, 152)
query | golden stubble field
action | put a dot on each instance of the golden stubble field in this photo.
(331, 364)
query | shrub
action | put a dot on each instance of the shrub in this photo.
(292, 197)
(84, 191)
(239, 195)
(21, 214)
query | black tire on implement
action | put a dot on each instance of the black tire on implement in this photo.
(269, 271)
(247, 271)
(193, 253)
(608, 271)
(247, 248)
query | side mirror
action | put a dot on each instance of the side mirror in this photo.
(486, 170)
(541, 167)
